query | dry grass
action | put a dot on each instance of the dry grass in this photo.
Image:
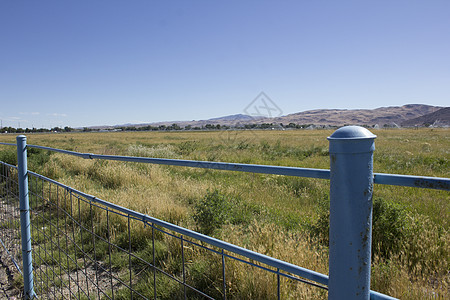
(276, 210)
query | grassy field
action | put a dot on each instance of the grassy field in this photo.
(268, 213)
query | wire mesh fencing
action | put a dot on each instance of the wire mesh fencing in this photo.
(10, 214)
(87, 248)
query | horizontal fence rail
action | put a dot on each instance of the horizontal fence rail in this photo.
(75, 247)
(379, 178)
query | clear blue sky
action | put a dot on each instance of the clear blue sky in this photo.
(83, 63)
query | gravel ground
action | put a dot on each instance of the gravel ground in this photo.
(78, 278)
(7, 274)
(10, 240)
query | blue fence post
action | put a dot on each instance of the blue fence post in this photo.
(25, 216)
(351, 183)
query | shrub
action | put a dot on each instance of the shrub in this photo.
(390, 227)
(37, 158)
(211, 212)
(321, 227)
(9, 156)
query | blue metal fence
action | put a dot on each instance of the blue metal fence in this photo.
(10, 213)
(68, 268)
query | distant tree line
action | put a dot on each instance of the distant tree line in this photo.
(173, 127)
(176, 127)
(31, 130)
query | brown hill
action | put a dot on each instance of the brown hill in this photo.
(338, 117)
(440, 117)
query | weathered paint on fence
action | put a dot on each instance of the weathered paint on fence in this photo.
(25, 217)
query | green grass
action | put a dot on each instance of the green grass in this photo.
(284, 217)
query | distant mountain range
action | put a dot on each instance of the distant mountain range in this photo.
(440, 117)
(234, 118)
(406, 115)
(393, 115)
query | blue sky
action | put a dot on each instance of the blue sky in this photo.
(83, 63)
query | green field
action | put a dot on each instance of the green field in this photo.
(280, 216)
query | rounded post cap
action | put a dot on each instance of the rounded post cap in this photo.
(352, 133)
